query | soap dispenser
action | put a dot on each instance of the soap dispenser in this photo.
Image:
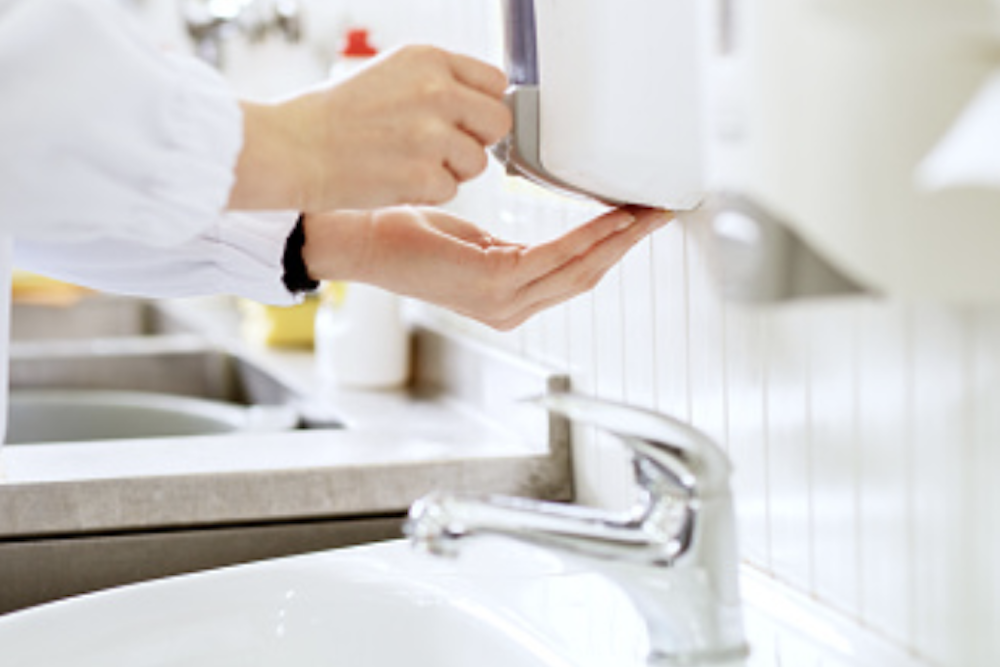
(607, 99)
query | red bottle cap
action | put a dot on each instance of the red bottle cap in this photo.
(356, 44)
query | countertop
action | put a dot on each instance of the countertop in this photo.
(461, 426)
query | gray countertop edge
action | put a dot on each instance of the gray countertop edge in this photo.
(33, 510)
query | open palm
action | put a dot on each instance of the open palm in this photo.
(442, 259)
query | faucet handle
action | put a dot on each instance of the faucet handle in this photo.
(666, 451)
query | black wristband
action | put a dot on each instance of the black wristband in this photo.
(296, 277)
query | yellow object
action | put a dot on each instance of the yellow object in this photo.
(279, 326)
(29, 287)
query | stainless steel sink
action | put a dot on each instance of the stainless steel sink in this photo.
(65, 415)
(78, 361)
(91, 317)
(184, 365)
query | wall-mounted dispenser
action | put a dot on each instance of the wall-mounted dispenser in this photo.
(823, 115)
(607, 99)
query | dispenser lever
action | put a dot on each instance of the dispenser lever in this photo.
(522, 48)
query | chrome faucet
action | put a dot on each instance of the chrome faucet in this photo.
(674, 553)
(211, 22)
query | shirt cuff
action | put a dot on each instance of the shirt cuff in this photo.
(251, 250)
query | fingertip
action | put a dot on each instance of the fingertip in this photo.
(618, 218)
(661, 217)
(627, 219)
(502, 80)
(499, 82)
(656, 218)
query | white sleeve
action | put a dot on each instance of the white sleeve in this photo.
(102, 134)
(240, 254)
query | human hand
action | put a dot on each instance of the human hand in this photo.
(407, 129)
(439, 258)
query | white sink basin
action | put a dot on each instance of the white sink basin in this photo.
(500, 605)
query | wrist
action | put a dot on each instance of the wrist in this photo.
(337, 245)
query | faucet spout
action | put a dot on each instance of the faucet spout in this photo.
(438, 521)
(674, 553)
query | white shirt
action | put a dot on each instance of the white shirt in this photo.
(116, 162)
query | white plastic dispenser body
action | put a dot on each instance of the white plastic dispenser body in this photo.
(826, 114)
(607, 99)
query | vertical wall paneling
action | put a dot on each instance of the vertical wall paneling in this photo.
(884, 448)
(745, 388)
(706, 333)
(788, 445)
(940, 475)
(638, 327)
(983, 545)
(833, 338)
(670, 313)
(609, 335)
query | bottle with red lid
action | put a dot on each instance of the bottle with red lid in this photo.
(362, 337)
(355, 50)
(357, 44)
